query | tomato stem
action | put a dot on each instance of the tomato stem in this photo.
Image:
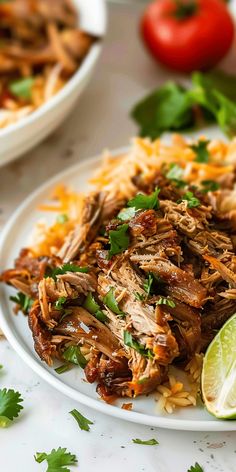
(185, 8)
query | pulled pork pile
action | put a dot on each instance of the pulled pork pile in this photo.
(135, 284)
(41, 48)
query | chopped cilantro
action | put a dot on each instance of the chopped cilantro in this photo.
(63, 218)
(62, 368)
(149, 442)
(93, 307)
(67, 268)
(119, 240)
(22, 88)
(9, 406)
(24, 301)
(175, 174)
(131, 342)
(148, 283)
(57, 459)
(73, 354)
(141, 201)
(210, 186)
(110, 301)
(81, 420)
(201, 151)
(60, 302)
(139, 296)
(196, 468)
(126, 214)
(166, 301)
(193, 201)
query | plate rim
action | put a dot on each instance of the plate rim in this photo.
(37, 365)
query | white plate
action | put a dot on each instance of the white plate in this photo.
(14, 237)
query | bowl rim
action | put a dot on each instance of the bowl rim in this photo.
(78, 76)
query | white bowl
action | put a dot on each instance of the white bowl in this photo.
(20, 137)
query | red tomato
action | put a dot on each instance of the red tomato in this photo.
(188, 35)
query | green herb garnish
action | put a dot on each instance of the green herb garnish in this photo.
(193, 201)
(196, 468)
(119, 240)
(67, 268)
(149, 442)
(63, 218)
(73, 354)
(139, 296)
(166, 301)
(81, 420)
(57, 459)
(131, 342)
(9, 406)
(22, 88)
(24, 301)
(148, 283)
(93, 307)
(210, 186)
(145, 202)
(110, 301)
(62, 368)
(175, 174)
(126, 214)
(60, 302)
(201, 151)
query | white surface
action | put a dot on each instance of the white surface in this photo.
(26, 133)
(15, 237)
(101, 120)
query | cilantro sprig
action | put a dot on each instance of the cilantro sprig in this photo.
(81, 420)
(10, 406)
(110, 301)
(131, 342)
(94, 308)
(23, 301)
(145, 202)
(166, 301)
(119, 240)
(73, 354)
(148, 283)
(193, 202)
(149, 442)
(57, 459)
(175, 174)
(201, 151)
(60, 302)
(210, 186)
(196, 468)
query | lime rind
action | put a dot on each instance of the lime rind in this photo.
(219, 373)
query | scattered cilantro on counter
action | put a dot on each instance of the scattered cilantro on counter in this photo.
(196, 468)
(149, 442)
(81, 420)
(9, 406)
(57, 459)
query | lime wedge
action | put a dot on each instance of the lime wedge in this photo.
(219, 373)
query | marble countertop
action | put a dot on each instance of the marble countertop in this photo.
(100, 120)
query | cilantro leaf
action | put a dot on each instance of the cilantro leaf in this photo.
(62, 368)
(57, 459)
(210, 186)
(126, 214)
(9, 406)
(81, 420)
(110, 301)
(175, 174)
(167, 108)
(201, 151)
(60, 302)
(193, 201)
(93, 307)
(196, 468)
(63, 218)
(139, 296)
(141, 201)
(148, 283)
(131, 342)
(149, 442)
(67, 268)
(22, 88)
(73, 354)
(119, 240)
(24, 301)
(166, 301)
